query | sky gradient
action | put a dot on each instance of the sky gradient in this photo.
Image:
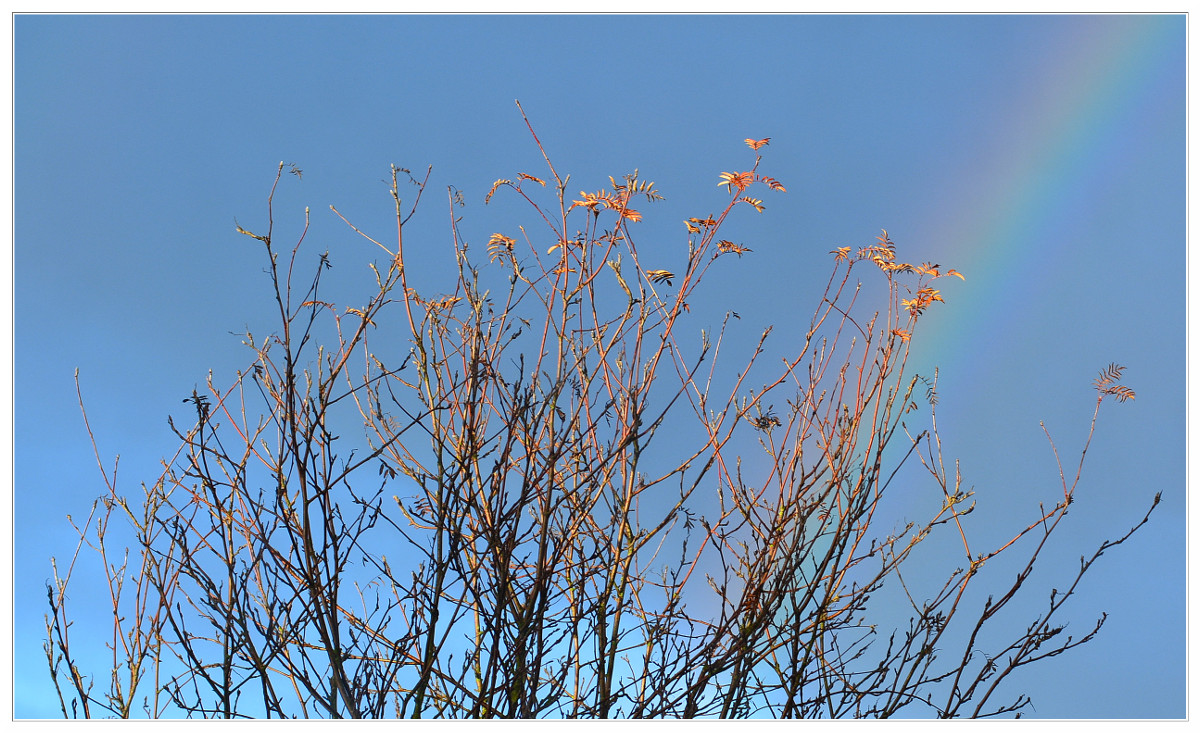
(1041, 156)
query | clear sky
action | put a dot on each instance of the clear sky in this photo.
(1043, 157)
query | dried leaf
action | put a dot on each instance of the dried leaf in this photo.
(660, 276)
(756, 203)
(590, 201)
(499, 182)
(725, 246)
(772, 184)
(500, 246)
(736, 180)
(360, 314)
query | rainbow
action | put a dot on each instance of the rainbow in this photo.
(1002, 235)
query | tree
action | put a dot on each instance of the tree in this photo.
(548, 513)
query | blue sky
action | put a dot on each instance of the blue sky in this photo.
(1042, 156)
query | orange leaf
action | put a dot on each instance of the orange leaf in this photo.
(590, 201)
(499, 182)
(772, 184)
(736, 180)
(660, 276)
(725, 246)
(498, 245)
(756, 203)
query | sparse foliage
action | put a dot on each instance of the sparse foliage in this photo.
(541, 493)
